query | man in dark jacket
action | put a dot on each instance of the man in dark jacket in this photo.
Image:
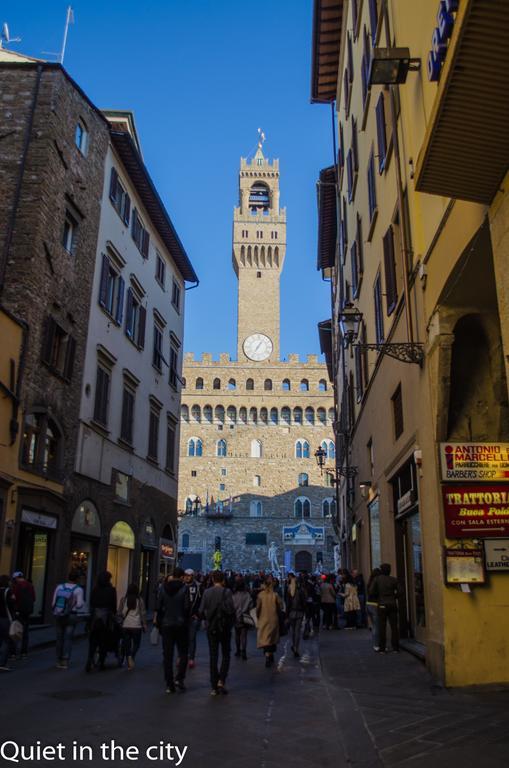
(172, 618)
(384, 591)
(219, 612)
(195, 593)
(24, 594)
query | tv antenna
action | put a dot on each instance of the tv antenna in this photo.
(69, 19)
(5, 37)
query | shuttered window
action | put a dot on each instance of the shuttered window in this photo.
(341, 150)
(381, 132)
(140, 235)
(119, 197)
(373, 19)
(136, 318)
(127, 422)
(102, 392)
(111, 290)
(157, 352)
(153, 435)
(377, 303)
(372, 205)
(171, 437)
(174, 356)
(365, 64)
(58, 349)
(397, 412)
(391, 288)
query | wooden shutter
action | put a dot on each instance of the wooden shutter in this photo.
(145, 239)
(129, 313)
(371, 186)
(355, 269)
(120, 300)
(113, 185)
(49, 337)
(365, 370)
(391, 289)
(379, 323)
(380, 131)
(127, 208)
(70, 353)
(141, 327)
(358, 374)
(355, 146)
(103, 288)
(349, 174)
(360, 246)
(350, 58)
(373, 18)
(134, 226)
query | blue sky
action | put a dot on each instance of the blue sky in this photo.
(201, 76)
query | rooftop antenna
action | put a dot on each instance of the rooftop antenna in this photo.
(68, 20)
(5, 37)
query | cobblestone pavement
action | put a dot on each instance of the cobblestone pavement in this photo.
(339, 705)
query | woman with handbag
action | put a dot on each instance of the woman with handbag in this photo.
(7, 613)
(269, 610)
(133, 619)
(242, 603)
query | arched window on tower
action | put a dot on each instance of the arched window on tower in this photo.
(216, 384)
(253, 416)
(221, 448)
(184, 412)
(196, 413)
(273, 416)
(267, 385)
(264, 415)
(194, 447)
(249, 384)
(304, 385)
(243, 415)
(303, 479)
(297, 415)
(207, 413)
(199, 383)
(231, 414)
(321, 414)
(259, 197)
(219, 414)
(302, 507)
(310, 415)
(322, 385)
(256, 449)
(232, 384)
(286, 385)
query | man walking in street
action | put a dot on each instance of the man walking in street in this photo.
(384, 591)
(194, 624)
(218, 611)
(68, 601)
(172, 618)
(25, 598)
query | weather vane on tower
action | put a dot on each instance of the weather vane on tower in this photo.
(261, 138)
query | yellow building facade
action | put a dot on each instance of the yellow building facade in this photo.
(16, 484)
(413, 235)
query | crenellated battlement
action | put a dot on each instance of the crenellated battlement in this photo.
(225, 359)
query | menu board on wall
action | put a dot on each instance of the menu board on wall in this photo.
(464, 566)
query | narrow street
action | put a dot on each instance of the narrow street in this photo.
(339, 705)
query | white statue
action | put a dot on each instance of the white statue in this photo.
(274, 565)
(337, 558)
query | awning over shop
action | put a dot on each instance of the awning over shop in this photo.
(327, 23)
(327, 218)
(325, 337)
(465, 151)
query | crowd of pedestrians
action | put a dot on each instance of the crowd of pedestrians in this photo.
(228, 605)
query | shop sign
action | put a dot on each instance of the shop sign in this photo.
(474, 461)
(148, 534)
(476, 511)
(122, 535)
(441, 36)
(496, 553)
(303, 533)
(37, 518)
(464, 566)
(406, 501)
(86, 520)
(166, 549)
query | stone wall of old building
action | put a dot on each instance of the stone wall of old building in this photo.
(297, 408)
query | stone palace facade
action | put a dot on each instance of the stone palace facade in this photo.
(248, 477)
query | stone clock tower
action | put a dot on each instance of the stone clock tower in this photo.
(259, 246)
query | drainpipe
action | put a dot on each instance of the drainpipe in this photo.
(17, 192)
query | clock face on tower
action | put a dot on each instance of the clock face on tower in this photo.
(258, 347)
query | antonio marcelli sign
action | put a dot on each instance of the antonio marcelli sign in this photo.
(474, 461)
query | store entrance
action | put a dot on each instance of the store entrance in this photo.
(119, 556)
(33, 562)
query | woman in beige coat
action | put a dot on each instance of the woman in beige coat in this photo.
(268, 608)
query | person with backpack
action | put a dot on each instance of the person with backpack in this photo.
(133, 619)
(24, 594)
(172, 619)
(68, 600)
(219, 613)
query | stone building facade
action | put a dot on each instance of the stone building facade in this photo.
(248, 477)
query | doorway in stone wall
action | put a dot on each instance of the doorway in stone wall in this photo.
(303, 561)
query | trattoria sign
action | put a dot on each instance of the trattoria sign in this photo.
(474, 461)
(476, 511)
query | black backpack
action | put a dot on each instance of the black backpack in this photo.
(219, 622)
